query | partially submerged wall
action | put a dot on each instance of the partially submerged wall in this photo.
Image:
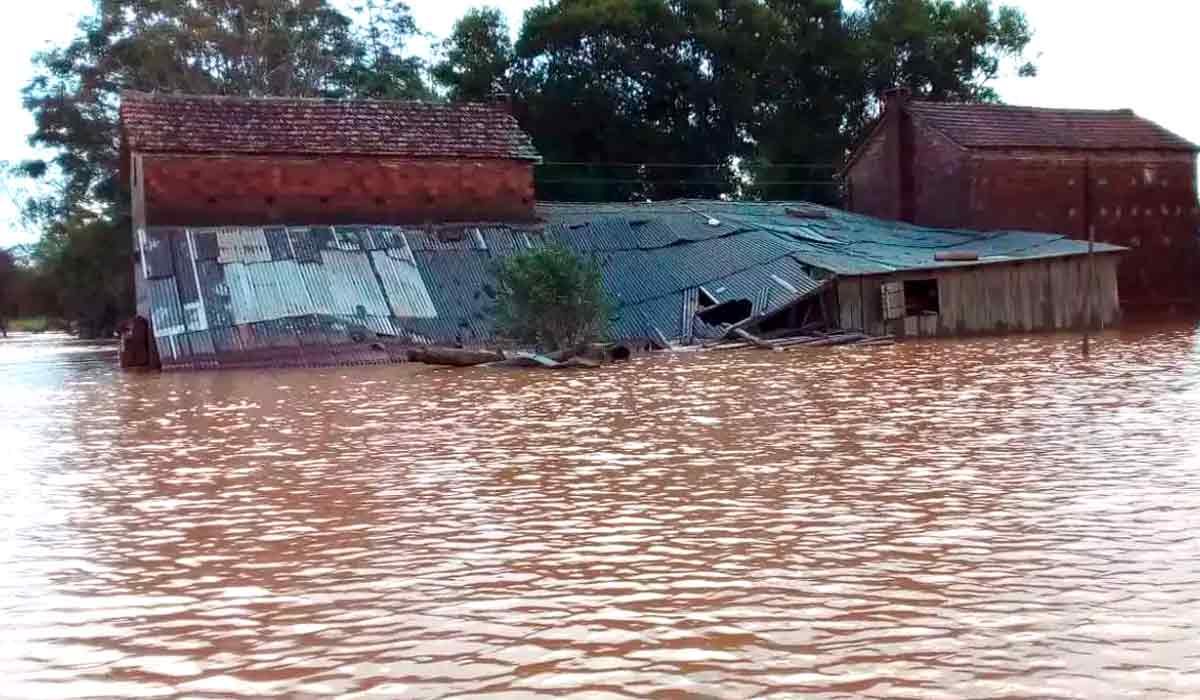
(1145, 200)
(1021, 296)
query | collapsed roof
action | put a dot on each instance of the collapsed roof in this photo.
(248, 295)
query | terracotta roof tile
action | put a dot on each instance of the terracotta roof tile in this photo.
(219, 124)
(1005, 126)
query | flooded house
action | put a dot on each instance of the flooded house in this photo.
(267, 294)
(1000, 167)
(311, 232)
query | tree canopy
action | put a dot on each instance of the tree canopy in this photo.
(478, 57)
(624, 98)
(237, 47)
(769, 94)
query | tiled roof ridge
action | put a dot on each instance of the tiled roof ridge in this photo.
(159, 96)
(1003, 105)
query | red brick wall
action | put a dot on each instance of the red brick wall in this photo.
(939, 189)
(251, 190)
(877, 181)
(1032, 194)
(872, 187)
(1144, 200)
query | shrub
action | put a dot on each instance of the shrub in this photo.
(37, 324)
(551, 299)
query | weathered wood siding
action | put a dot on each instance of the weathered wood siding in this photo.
(1020, 296)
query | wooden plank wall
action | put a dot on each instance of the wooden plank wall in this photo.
(1035, 295)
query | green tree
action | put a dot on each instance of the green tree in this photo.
(478, 56)
(628, 81)
(238, 47)
(382, 70)
(765, 83)
(25, 291)
(87, 262)
(806, 80)
(551, 299)
(939, 49)
(8, 288)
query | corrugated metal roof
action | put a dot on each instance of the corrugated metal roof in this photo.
(830, 239)
(223, 295)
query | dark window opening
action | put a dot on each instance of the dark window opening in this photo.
(620, 353)
(921, 297)
(733, 311)
(804, 316)
(704, 299)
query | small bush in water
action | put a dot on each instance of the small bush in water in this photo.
(551, 299)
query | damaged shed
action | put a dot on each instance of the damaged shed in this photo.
(677, 272)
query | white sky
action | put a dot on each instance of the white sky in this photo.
(1090, 53)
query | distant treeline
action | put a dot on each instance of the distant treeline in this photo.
(624, 98)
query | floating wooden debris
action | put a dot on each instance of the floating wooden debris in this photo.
(452, 357)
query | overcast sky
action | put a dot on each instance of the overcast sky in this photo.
(1090, 53)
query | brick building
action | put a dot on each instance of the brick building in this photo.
(287, 170)
(215, 160)
(997, 167)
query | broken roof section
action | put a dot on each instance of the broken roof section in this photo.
(304, 295)
(217, 124)
(322, 295)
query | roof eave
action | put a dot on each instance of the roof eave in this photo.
(959, 265)
(133, 148)
(1190, 148)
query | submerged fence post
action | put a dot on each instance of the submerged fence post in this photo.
(1091, 263)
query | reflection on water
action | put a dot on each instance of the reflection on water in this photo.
(984, 518)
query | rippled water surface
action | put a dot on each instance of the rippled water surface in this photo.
(983, 518)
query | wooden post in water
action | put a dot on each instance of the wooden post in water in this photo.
(1091, 286)
(1091, 263)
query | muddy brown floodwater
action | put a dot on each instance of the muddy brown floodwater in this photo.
(979, 518)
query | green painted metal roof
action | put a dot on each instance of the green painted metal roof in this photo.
(821, 237)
